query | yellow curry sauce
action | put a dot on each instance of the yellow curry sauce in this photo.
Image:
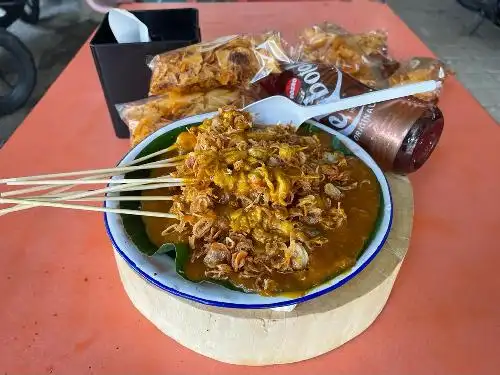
(340, 253)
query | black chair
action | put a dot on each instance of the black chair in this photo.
(17, 67)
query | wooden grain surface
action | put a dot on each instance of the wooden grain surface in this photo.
(265, 337)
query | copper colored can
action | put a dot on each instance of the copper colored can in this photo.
(399, 134)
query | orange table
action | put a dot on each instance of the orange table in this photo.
(63, 309)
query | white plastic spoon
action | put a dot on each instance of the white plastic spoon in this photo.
(281, 110)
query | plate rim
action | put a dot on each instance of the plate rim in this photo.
(211, 302)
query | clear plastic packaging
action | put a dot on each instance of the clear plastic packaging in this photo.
(145, 116)
(421, 69)
(231, 61)
(364, 56)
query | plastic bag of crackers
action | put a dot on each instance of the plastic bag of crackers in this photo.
(365, 56)
(145, 116)
(421, 69)
(236, 60)
(203, 77)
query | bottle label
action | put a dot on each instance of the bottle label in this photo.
(380, 128)
(315, 84)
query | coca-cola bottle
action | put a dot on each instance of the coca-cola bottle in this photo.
(400, 134)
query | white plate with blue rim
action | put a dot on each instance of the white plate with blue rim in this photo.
(160, 270)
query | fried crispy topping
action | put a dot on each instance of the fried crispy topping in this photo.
(261, 198)
(232, 61)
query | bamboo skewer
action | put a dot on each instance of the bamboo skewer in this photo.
(85, 194)
(125, 168)
(129, 166)
(127, 187)
(157, 153)
(63, 195)
(55, 190)
(47, 187)
(111, 199)
(99, 181)
(70, 183)
(24, 202)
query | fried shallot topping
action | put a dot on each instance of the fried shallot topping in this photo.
(261, 199)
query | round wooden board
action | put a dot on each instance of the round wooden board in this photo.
(264, 337)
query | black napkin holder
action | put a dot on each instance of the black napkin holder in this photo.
(122, 68)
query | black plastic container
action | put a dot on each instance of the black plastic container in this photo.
(123, 69)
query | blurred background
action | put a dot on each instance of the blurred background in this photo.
(459, 33)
